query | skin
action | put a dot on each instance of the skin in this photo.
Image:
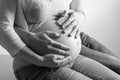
(8, 13)
(106, 58)
(58, 56)
(70, 20)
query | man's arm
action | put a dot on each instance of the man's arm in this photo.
(42, 42)
(8, 38)
(50, 56)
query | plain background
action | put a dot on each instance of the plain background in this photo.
(102, 23)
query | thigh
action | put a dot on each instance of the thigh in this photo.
(33, 72)
(94, 69)
(94, 44)
(65, 73)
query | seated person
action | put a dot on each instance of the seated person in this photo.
(26, 14)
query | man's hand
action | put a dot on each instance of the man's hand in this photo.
(43, 42)
(71, 20)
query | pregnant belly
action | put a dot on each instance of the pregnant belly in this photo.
(73, 43)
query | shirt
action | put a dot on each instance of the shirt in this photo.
(23, 13)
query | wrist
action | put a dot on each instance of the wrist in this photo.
(81, 17)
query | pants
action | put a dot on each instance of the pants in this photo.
(83, 68)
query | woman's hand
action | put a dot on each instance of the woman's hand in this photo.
(55, 61)
(72, 21)
(43, 42)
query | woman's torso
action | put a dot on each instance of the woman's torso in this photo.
(31, 12)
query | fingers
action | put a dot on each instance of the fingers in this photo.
(62, 20)
(77, 33)
(55, 61)
(72, 27)
(64, 62)
(53, 46)
(60, 46)
(68, 21)
(58, 51)
(54, 57)
(73, 31)
(52, 34)
(60, 60)
(69, 24)
(54, 43)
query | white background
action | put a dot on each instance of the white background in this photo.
(103, 22)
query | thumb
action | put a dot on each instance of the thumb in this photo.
(65, 13)
(53, 35)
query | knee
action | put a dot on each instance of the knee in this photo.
(84, 38)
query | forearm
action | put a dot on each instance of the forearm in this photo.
(10, 40)
(23, 34)
(30, 39)
(105, 59)
(30, 56)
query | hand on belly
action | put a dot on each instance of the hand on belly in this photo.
(73, 43)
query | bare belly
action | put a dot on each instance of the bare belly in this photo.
(71, 42)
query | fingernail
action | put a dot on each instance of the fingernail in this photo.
(69, 35)
(75, 37)
(63, 31)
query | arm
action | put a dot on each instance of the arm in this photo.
(73, 18)
(42, 42)
(13, 43)
(54, 57)
(8, 38)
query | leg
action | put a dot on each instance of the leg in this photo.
(65, 73)
(93, 69)
(94, 44)
(33, 72)
(105, 59)
(94, 50)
